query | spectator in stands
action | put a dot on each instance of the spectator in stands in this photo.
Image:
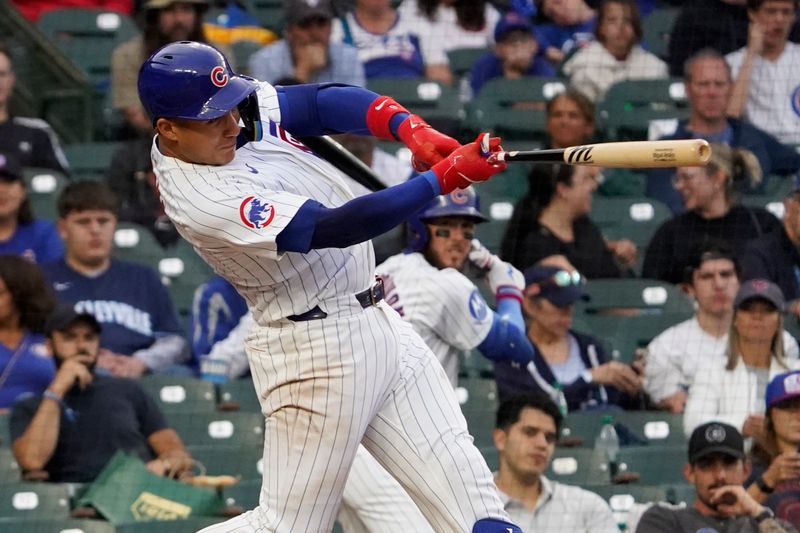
(525, 436)
(131, 176)
(570, 119)
(708, 83)
(553, 218)
(307, 54)
(26, 366)
(21, 233)
(615, 54)
(30, 140)
(33, 9)
(717, 468)
(83, 418)
(776, 463)
(388, 45)
(446, 25)
(767, 71)
(515, 54)
(713, 213)
(141, 330)
(711, 24)
(733, 390)
(570, 28)
(575, 360)
(165, 21)
(775, 256)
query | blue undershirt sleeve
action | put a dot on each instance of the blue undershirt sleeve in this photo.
(320, 109)
(315, 226)
(506, 338)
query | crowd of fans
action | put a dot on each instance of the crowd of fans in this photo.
(71, 314)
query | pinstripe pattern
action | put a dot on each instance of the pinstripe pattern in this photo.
(324, 385)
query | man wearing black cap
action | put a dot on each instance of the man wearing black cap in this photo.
(717, 469)
(306, 53)
(83, 419)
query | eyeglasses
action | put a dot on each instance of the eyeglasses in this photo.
(563, 278)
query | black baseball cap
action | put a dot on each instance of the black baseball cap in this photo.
(558, 286)
(715, 437)
(296, 11)
(10, 168)
(65, 316)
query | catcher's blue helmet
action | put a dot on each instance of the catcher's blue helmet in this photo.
(459, 203)
(190, 80)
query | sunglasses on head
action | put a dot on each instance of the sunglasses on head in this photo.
(563, 278)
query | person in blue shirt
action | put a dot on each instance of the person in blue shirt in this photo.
(26, 366)
(141, 330)
(516, 53)
(21, 233)
(571, 27)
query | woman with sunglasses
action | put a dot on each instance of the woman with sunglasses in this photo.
(552, 219)
(575, 361)
(713, 213)
(775, 480)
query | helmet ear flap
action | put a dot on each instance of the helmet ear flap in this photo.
(251, 118)
(416, 235)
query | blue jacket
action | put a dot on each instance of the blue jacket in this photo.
(774, 157)
(512, 379)
(776, 258)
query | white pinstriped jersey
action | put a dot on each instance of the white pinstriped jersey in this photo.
(444, 307)
(232, 215)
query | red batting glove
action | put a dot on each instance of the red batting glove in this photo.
(469, 164)
(427, 145)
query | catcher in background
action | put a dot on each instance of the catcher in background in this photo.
(333, 365)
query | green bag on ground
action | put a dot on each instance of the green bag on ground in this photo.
(125, 492)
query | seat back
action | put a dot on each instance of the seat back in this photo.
(629, 106)
(34, 500)
(177, 395)
(43, 186)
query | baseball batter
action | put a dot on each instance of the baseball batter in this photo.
(334, 364)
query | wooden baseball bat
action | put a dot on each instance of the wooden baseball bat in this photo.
(633, 154)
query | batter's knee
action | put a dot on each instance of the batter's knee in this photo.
(493, 525)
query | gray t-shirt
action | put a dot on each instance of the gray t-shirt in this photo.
(660, 519)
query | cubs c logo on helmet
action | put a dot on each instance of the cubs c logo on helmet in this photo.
(256, 213)
(219, 77)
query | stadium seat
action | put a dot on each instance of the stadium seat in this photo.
(244, 461)
(182, 271)
(437, 103)
(217, 429)
(90, 161)
(9, 469)
(4, 437)
(630, 105)
(242, 50)
(655, 465)
(244, 494)
(474, 365)
(239, 395)
(658, 427)
(657, 29)
(462, 59)
(571, 465)
(180, 395)
(513, 109)
(48, 525)
(269, 12)
(88, 36)
(34, 500)
(639, 493)
(646, 296)
(479, 402)
(133, 242)
(43, 185)
(635, 218)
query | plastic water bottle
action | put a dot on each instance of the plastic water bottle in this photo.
(607, 445)
(561, 400)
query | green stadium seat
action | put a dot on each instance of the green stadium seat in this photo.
(636, 218)
(639, 493)
(655, 465)
(462, 59)
(244, 461)
(474, 365)
(88, 37)
(48, 525)
(4, 436)
(658, 427)
(513, 109)
(34, 500)
(242, 50)
(90, 161)
(180, 395)
(220, 429)
(436, 102)
(43, 186)
(9, 469)
(239, 395)
(498, 197)
(187, 525)
(134, 242)
(571, 465)
(630, 105)
(182, 271)
(657, 30)
(269, 12)
(479, 402)
(243, 494)
(647, 296)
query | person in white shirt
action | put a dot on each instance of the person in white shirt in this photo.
(525, 438)
(615, 55)
(712, 279)
(767, 71)
(732, 390)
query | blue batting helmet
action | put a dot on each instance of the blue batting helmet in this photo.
(459, 203)
(192, 81)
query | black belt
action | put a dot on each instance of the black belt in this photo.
(366, 298)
